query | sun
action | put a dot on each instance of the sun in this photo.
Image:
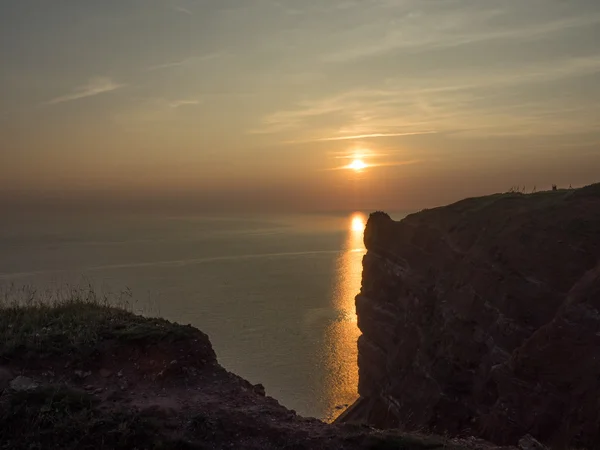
(357, 224)
(357, 165)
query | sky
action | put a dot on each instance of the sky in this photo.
(262, 104)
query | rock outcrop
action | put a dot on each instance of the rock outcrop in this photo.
(483, 318)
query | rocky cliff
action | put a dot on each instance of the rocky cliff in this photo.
(483, 317)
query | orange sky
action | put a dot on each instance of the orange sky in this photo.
(255, 105)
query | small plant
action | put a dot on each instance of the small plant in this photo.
(517, 190)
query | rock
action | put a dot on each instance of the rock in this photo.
(474, 317)
(22, 383)
(115, 396)
(5, 377)
(105, 373)
(529, 443)
(81, 374)
(259, 389)
(173, 369)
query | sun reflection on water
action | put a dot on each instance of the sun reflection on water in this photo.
(342, 334)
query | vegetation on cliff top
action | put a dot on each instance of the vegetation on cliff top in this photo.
(80, 324)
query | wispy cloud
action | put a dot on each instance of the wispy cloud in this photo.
(360, 136)
(373, 135)
(96, 86)
(450, 29)
(149, 112)
(169, 65)
(307, 111)
(186, 61)
(178, 103)
(494, 100)
(182, 10)
(384, 164)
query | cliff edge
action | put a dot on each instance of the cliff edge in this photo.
(483, 318)
(82, 375)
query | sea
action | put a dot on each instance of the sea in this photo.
(275, 293)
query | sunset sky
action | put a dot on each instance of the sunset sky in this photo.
(259, 104)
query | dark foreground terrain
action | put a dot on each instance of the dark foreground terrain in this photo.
(481, 318)
(79, 375)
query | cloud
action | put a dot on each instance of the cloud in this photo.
(187, 61)
(416, 32)
(178, 103)
(153, 111)
(384, 164)
(361, 136)
(374, 135)
(169, 65)
(96, 86)
(531, 99)
(181, 9)
(306, 111)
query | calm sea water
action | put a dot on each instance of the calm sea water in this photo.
(274, 293)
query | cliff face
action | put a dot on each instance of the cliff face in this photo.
(483, 317)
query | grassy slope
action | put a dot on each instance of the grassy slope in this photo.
(76, 331)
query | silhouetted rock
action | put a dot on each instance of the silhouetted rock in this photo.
(5, 378)
(22, 383)
(483, 318)
(529, 443)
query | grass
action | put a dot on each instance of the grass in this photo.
(77, 323)
(56, 417)
(534, 199)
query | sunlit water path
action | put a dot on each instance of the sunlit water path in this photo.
(274, 293)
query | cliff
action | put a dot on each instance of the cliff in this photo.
(483, 318)
(82, 375)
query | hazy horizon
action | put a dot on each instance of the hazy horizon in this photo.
(193, 105)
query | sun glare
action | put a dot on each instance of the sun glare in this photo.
(358, 224)
(357, 165)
